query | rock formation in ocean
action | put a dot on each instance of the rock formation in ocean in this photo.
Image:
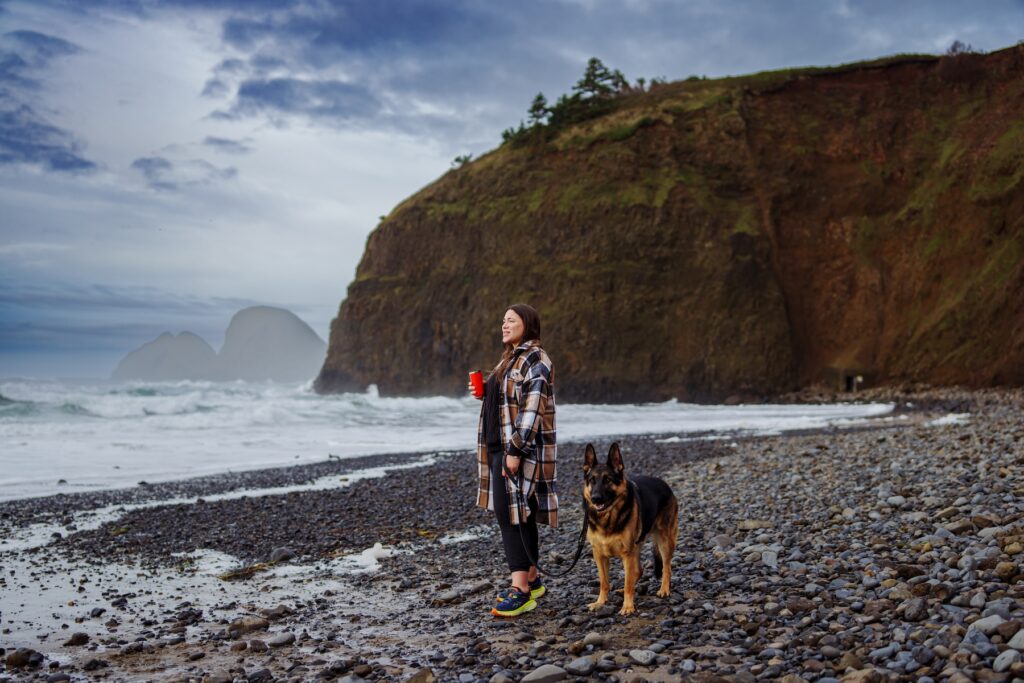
(265, 343)
(261, 343)
(708, 238)
(169, 357)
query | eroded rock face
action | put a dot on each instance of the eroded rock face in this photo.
(736, 237)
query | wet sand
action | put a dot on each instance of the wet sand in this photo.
(865, 552)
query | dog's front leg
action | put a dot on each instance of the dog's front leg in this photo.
(602, 573)
(631, 563)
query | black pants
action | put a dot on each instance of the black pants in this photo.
(511, 537)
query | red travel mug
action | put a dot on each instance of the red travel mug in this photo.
(476, 378)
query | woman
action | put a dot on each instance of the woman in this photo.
(516, 454)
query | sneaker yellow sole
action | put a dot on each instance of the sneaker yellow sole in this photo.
(525, 607)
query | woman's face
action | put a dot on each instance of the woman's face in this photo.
(512, 328)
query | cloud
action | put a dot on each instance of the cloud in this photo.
(88, 299)
(330, 100)
(26, 135)
(227, 145)
(27, 138)
(163, 174)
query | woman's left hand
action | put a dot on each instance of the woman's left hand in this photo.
(511, 464)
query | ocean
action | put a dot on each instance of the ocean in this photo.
(68, 436)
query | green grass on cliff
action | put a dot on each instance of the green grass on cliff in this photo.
(1003, 167)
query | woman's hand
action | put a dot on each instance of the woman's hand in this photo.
(469, 388)
(511, 464)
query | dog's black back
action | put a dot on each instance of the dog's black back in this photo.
(655, 494)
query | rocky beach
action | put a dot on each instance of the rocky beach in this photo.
(885, 551)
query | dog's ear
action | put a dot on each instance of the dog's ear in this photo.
(615, 463)
(589, 458)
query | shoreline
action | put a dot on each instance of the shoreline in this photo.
(166, 616)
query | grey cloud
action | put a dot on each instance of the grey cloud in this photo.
(215, 88)
(26, 135)
(227, 145)
(86, 298)
(163, 174)
(317, 99)
(27, 138)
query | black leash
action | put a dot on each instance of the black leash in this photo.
(522, 522)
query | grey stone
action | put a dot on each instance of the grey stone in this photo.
(688, 665)
(1005, 660)
(642, 657)
(244, 625)
(548, 673)
(281, 640)
(915, 609)
(1017, 642)
(722, 541)
(448, 597)
(987, 625)
(593, 638)
(977, 642)
(886, 652)
(260, 675)
(77, 638)
(581, 666)
(282, 554)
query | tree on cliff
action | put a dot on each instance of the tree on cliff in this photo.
(538, 110)
(591, 97)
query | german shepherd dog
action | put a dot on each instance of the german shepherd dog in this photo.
(620, 514)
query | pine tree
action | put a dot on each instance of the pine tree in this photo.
(538, 110)
(597, 80)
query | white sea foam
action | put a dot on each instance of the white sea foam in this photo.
(73, 436)
(951, 419)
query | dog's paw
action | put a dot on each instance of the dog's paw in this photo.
(597, 604)
(663, 592)
(627, 610)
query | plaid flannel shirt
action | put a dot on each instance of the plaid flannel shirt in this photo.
(527, 412)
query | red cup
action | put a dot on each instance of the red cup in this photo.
(476, 378)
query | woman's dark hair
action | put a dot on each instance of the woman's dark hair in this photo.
(531, 332)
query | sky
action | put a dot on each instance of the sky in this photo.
(166, 163)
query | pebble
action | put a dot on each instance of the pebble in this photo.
(643, 657)
(281, 640)
(1005, 660)
(547, 673)
(581, 666)
(76, 639)
(988, 625)
(282, 554)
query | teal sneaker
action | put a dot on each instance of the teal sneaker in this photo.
(516, 602)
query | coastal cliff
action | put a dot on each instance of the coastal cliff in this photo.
(712, 238)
